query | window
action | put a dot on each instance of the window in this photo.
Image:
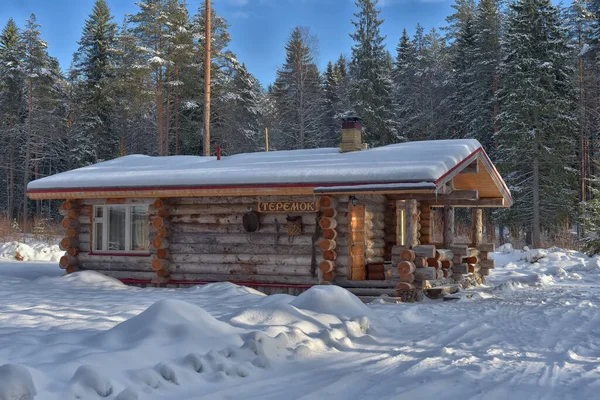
(120, 228)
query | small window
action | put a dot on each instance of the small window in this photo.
(120, 228)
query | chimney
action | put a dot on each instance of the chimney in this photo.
(351, 134)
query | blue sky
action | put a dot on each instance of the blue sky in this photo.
(259, 28)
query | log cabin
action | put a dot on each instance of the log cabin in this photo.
(284, 221)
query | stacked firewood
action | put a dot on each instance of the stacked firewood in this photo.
(70, 244)
(159, 243)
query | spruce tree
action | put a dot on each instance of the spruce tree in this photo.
(373, 88)
(94, 75)
(538, 119)
(484, 106)
(12, 108)
(298, 97)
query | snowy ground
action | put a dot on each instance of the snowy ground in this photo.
(532, 333)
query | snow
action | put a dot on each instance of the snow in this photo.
(34, 251)
(16, 383)
(530, 333)
(397, 163)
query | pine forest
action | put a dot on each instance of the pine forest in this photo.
(522, 77)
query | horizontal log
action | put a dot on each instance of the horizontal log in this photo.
(238, 249)
(326, 266)
(327, 244)
(158, 264)
(371, 292)
(488, 264)
(330, 255)
(443, 254)
(375, 234)
(249, 259)
(375, 207)
(68, 242)
(484, 271)
(159, 222)
(239, 278)
(85, 257)
(162, 253)
(461, 268)
(347, 283)
(409, 278)
(73, 251)
(234, 219)
(447, 272)
(447, 264)
(374, 252)
(242, 238)
(328, 223)
(126, 274)
(241, 269)
(432, 262)
(67, 260)
(408, 255)
(406, 267)
(234, 228)
(329, 212)
(68, 223)
(427, 273)
(163, 273)
(106, 266)
(328, 202)
(391, 272)
(160, 243)
(471, 260)
(374, 243)
(227, 200)
(474, 268)
(330, 234)
(406, 286)
(427, 251)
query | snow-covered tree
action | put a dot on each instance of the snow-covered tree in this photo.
(538, 118)
(371, 72)
(298, 97)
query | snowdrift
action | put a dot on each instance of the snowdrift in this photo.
(35, 251)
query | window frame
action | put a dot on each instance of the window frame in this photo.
(105, 231)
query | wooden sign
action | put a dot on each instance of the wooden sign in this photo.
(285, 207)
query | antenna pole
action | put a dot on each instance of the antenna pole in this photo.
(207, 65)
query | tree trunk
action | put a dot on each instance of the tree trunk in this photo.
(535, 225)
(177, 111)
(27, 157)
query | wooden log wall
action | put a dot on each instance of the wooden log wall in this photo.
(78, 248)
(70, 243)
(208, 241)
(425, 224)
(160, 224)
(391, 228)
(375, 244)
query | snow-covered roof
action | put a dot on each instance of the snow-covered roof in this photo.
(414, 162)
